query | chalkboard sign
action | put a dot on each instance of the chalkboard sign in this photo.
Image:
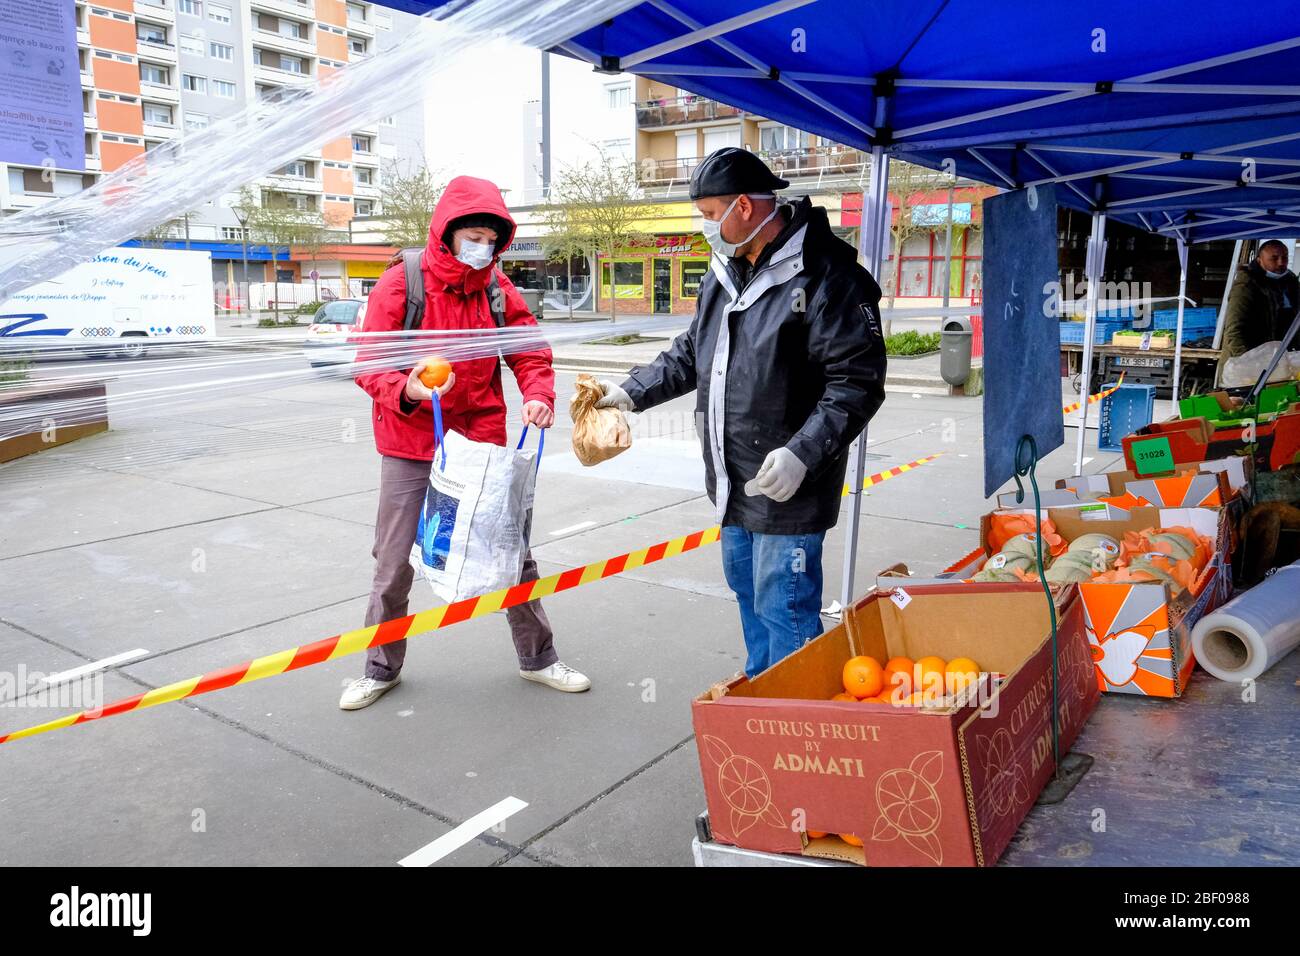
(1022, 344)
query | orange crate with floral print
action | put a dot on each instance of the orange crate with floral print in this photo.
(917, 786)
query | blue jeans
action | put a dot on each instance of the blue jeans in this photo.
(778, 583)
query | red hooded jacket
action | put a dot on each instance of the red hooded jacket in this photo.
(455, 297)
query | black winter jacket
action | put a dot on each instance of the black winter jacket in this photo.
(786, 353)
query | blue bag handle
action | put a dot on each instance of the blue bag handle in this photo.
(438, 433)
(541, 443)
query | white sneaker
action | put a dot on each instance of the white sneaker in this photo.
(364, 691)
(560, 676)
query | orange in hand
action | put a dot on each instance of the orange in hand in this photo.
(863, 676)
(435, 372)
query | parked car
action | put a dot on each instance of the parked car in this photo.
(331, 326)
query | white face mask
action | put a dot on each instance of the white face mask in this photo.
(476, 255)
(712, 230)
(1275, 275)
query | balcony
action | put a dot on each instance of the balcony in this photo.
(681, 111)
(820, 161)
(155, 52)
(93, 164)
(160, 130)
(156, 11)
(292, 184)
(159, 93)
(276, 77)
(365, 190)
(283, 43)
(87, 80)
(362, 28)
(91, 121)
(305, 10)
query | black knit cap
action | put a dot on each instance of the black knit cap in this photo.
(495, 223)
(732, 170)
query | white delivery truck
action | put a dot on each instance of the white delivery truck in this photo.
(125, 295)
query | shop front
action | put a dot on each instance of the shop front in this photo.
(563, 285)
(659, 275)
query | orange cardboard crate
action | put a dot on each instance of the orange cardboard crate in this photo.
(1140, 634)
(942, 786)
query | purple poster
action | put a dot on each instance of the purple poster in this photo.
(41, 121)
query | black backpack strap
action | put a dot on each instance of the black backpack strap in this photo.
(414, 289)
(496, 301)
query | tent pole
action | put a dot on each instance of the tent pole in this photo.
(1096, 247)
(873, 239)
(1227, 291)
(1178, 335)
(947, 254)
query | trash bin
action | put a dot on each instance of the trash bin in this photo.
(533, 298)
(954, 350)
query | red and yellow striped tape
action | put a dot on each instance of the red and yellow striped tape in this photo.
(1094, 399)
(353, 642)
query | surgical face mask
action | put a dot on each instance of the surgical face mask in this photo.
(476, 255)
(1275, 275)
(713, 231)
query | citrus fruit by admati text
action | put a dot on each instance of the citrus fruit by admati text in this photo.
(863, 676)
(435, 372)
(960, 673)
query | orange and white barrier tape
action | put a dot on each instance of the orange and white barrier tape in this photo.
(1094, 399)
(399, 629)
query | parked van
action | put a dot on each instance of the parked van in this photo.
(125, 295)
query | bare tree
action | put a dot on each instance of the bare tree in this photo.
(563, 238)
(407, 200)
(603, 203)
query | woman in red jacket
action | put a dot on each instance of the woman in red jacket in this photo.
(470, 229)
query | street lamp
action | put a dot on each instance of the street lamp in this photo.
(242, 216)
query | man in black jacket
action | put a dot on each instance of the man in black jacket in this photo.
(1262, 303)
(786, 357)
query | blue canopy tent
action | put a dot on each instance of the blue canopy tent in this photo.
(1172, 117)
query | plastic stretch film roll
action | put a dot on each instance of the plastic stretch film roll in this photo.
(1253, 631)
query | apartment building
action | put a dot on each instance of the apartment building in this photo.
(673, 131)
(153, 69)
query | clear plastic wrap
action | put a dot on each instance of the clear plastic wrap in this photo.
(180, 175)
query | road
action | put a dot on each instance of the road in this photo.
(215, 524)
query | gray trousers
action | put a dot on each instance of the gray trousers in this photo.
(402, 484)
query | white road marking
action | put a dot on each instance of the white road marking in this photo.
(575, 527)
(95, 666)
(467, 831)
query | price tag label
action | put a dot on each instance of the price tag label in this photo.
(1146, 342)
(1152, 456)
(901, 598)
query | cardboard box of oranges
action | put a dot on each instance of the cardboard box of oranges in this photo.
(936, 776)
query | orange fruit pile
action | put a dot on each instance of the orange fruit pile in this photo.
(904, 682)
(435, 372)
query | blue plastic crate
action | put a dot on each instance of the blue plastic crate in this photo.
(1072, 332)
(1123, 412)
(1200, 319)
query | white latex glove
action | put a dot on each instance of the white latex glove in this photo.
(781, 475)
(614, 396)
